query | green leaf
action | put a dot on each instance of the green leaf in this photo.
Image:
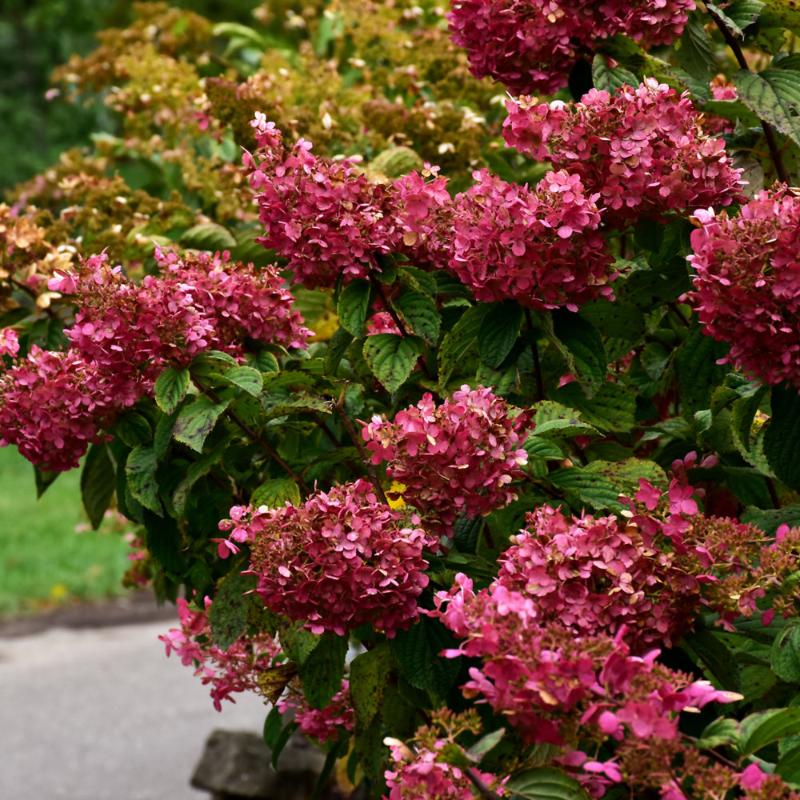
(417, 653)
(197, 470)
(782, 436)
(140, 471)
(617, 320)
(720, 732)
(458, 343)
(586, 488)
(774, 95)
(613, 407)
(321, 672)
(498, 332)
(418, 311)
(765, 727)
(485, 744)
(170, 389)
(196, 421)
(744, 13)
(697, 371)
(695, 50)
(709, 648)
(98, 480)
(609, 78)
(369, 675)
(275, 493)
(557, 421)
(545, 783)
(229, 611)
(788, 766)
(769, 520)
(133, 429)
(337, 347)
(353, 306)
(392, 358)
(785, 11)
(208, 236)
(581, 345)
(43, 480)
(163, 540)
(247, 379)
(784, 658)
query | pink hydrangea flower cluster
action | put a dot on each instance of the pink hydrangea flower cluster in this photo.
(52, 406)
(643, 150)
(532, 45)
(746, 285)
(322, 724)
(338, 561)
(458, 457)
(540, 247)
(9, 342)
(425, 774)
(595, 575)
(543, 676)
(227, 671)
(326, 218)
(198, 302)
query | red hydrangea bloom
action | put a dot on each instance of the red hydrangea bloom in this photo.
(326, 218)
(382, 322)
(9, 343)
(424, 774)
(595, 575)
(322, 724)
(197, 303)
(338, 561)
(543, 677)
(538, 246)
(52, 406)
(227, 671)
(532, 45)
(644, 150)
(459, 457)
(747, 284)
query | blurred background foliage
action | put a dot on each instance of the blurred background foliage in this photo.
(36, 36)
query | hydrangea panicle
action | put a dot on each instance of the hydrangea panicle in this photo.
(532, 45)
(540, 247)
(227, 671)
(339, 560)
(643, 150)
(458, 457)
(746, 287)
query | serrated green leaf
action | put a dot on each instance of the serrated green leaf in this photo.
(459, 342)
(419, 280)
(784, 658)
(418, 312)
(782, 436)
(391, 358)
(321, 672)
(353, 306)
(275, 493)
(170, 388)
(582, 347)
(196, 470)
(140, 472)
(695, 51)
(608, 78)
(98, 479)
(208, 236)
(545, 783)
(785, 11)
(744, 13)
(247, 379)
(229, 611)
(417, 652)
(196, 421)
(498, 332)
(612, 408)
(765, 727)
(720, 732)
(773, 95)
(337, 347)
(369, 675)
(769, 520)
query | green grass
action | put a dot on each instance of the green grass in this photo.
(43, 561)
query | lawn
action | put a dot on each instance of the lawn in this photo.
(43, 560)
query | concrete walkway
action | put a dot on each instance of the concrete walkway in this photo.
(102, 714)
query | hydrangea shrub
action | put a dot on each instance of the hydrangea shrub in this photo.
(446, 362)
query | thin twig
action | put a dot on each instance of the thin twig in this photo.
(255, 437)
(483, 790)
(365, 457)
(769, 133)
(537, 364)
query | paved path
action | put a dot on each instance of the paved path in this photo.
(101, 714)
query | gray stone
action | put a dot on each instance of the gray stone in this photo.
(237, 764)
